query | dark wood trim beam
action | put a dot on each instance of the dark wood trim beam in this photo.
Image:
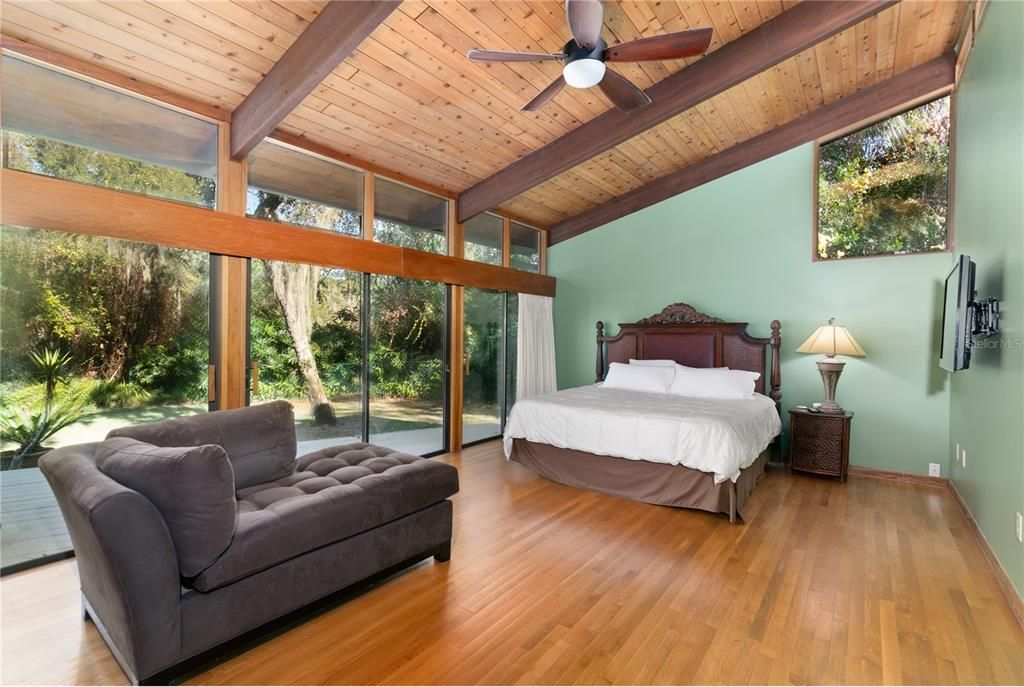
(82, 209)
(904, 90)
(776, 40)
(340, 27)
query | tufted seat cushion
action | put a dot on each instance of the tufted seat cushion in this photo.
(333, 494)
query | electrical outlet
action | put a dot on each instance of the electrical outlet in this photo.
(1020, 528)
(934, 470)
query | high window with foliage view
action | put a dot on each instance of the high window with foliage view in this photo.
(292, 186)
(64, 127)
(883, 190)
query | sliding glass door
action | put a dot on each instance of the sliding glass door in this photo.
(511, 352)
(305, 338)
(488, 362)
(406, 348)
(483, 373)
(360, 357)
(96, 334)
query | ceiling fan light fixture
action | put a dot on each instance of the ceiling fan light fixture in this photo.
(583, 73)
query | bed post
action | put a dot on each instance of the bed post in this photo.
(776, 375)
(599, 374)
(776, 383)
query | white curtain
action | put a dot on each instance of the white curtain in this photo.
(535, 347)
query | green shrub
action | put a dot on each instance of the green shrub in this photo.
(175, 372)
(271, 347)
(275, 389)
(22, 395)
(109, 394)
(395, 374)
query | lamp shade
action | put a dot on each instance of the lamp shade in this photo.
(832, 340)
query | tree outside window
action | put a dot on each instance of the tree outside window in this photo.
(883, 190)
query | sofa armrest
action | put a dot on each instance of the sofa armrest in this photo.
(127, 564)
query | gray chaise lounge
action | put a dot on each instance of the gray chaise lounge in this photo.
(192, 532)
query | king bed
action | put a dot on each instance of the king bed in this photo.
(659, 448)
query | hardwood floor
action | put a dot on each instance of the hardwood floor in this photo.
(865, 582)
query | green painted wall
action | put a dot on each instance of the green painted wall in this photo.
(740, 248)
(987, 401)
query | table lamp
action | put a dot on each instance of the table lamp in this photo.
(832, 340)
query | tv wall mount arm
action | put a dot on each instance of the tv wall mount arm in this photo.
(985, 317)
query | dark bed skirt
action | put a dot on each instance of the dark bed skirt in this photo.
(640, 480)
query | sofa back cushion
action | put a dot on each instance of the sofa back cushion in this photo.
(191, 486)
(259, 440)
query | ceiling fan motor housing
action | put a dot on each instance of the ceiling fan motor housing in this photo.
(583, 68)
(573, 51)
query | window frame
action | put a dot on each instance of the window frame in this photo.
(542, 245)
(365, 179)
(860, 126)
(370, 217)
(138, 94)
(502, 220)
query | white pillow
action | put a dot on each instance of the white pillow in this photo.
(747, 381)
(713, 383)
(653, 363)
(654, 379)
(667, 363)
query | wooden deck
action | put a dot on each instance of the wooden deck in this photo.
(864, 582)
(30, 521)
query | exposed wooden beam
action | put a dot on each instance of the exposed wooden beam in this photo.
(776, 40)
(82, 209)
(914, 86)
(337, 31)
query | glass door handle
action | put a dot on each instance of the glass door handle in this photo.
(211, 384)
(255, 376)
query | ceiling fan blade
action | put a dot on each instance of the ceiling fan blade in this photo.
(511, 56)
(585, 19)
(544, 96)
(624, 93)
(671, 46)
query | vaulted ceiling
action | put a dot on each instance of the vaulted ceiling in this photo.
(408, 99)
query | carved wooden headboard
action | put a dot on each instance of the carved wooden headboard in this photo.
(689, 337)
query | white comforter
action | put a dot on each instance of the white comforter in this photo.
(712, 435)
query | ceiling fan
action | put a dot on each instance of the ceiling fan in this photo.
(584, 56)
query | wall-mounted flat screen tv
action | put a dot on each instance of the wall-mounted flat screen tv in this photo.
(957, 316)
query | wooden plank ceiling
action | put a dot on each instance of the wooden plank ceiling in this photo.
(408, 100)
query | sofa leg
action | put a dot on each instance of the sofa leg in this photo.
(444, 552)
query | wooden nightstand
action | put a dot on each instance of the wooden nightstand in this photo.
(819, 443)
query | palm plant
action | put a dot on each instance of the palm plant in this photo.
(29, 429)
(52, 367)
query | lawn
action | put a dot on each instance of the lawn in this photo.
(386, 415)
